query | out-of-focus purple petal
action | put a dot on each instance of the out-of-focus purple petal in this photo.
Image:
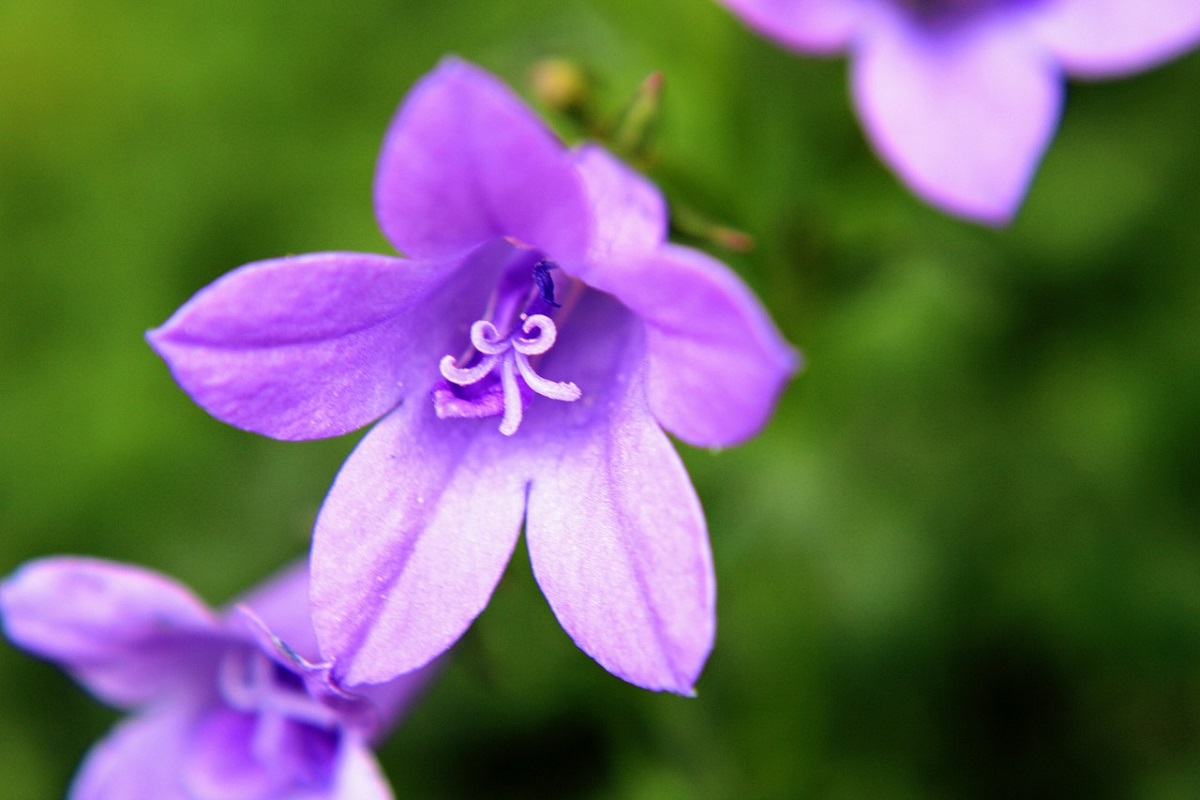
(817, 26)
(963, 115)
(280, 607)
(279, 618)
(138, 760)
(618, 541)
(128, 634)
(358, 774)
(306, 757)
(307, 346)
(466, 161)
(392, 699)
(219, 762)
(1102, 38)
(717, 363)
(315, 675)
(370, 709)
(411, 541)
(629, 216)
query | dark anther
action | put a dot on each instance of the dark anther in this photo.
(545, 284)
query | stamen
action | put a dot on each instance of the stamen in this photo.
(511, 351)
(269, 731)
(247, 683)
(486, 339)
(555, 390)
(543, 340)
(514, 405)
(466, 376)
(302, 708)
(545, 284)
(237, 684)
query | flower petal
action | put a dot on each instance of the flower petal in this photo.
(279, 610)
(358, 774)
(629, 216)
(219, 762)
(623, 559)
(138, 760)
(1101, 38)
(717, 362)
(465, 161)
(392, 700)
(411, 541)
(618, 541)
(128, 634)
(818, 26)
(371, 709)
(304, 347)
(964, 115)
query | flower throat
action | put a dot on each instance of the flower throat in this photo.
(942, 12)
(495, 376)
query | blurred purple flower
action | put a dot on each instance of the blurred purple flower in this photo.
(523, 362)
(961, 97)
(224, 706)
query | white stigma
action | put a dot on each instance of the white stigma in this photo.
(512, 354)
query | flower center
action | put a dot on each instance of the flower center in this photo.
(254, 684)
(496, 375)
(937, 12)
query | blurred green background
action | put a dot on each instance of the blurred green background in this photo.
(964, 559)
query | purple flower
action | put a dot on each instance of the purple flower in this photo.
(224, 706)
(525, 362)
(961, 97)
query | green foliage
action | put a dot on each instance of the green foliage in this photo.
(964, 560)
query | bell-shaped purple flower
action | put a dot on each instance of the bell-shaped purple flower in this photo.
(525, 360)
(961, 97)
(229, 705)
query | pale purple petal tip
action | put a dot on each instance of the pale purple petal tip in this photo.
(619, 546)
(963, 119)
(125, 632)
(620, 550)
(358, 776)
(816, 26)
(465, 161)
(717, 363)
(301, 347)
(140, 758)
(411, 541)
(1105, 38)
(629, 215)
